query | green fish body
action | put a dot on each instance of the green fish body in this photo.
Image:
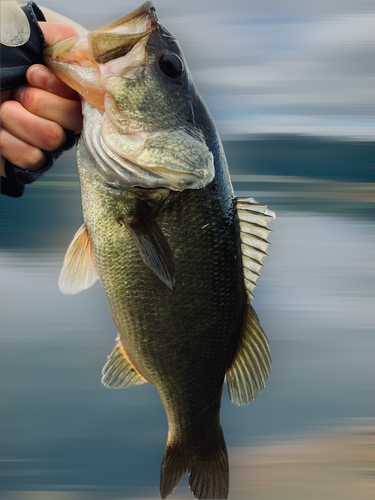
(176, 253)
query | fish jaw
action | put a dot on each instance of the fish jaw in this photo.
(80, 62)
(70, 61)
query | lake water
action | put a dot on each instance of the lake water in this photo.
(66, 437)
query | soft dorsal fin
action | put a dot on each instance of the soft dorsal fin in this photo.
(78, 272)
(119, 372)
(248, 372)
(254, 219)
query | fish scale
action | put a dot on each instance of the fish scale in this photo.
(176, 253)
(187, 318)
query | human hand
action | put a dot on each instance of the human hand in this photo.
(33, 117)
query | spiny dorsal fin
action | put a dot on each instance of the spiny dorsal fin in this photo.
(254, 219)
(247, 374)
(78, 272)
(118, 372)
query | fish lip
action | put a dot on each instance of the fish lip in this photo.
(104, 45)
(53, 52)
(129, 17)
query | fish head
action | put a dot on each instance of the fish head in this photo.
(140, 122)
(154, 95)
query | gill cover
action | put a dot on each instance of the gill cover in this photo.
(139, 119)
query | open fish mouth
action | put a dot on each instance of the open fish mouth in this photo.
(109, 42)
(81, 61)
(118, 38)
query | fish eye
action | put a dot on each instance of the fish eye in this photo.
(171, 65)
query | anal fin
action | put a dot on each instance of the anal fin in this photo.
(119, 372)
(248, 372)
(78, 272)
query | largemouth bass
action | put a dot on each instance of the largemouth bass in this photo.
(176, 253)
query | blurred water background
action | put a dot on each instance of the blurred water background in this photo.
(289, 84)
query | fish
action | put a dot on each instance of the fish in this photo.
(176, 253)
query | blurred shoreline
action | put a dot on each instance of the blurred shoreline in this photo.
(288, 172)
(338, 465)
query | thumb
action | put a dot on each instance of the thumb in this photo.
(55, 32)
(39, 76)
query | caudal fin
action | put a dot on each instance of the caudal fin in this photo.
(209, 477)
(209, 472)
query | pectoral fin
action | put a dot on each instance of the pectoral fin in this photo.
(254, 219)
(78, 272)
(153, 246)
(247, 374)
(119, 372)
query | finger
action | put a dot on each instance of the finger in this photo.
(20, 153)
(36, 131)
(55, 32)
(41, 77)
(65, 112)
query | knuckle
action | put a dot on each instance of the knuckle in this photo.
(30, 157)
(32, 100)
(53, 136)
(36, 158)
(7, 111)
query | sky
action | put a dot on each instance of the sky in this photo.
(271, 66)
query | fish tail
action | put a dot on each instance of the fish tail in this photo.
(175, 465)
(209, 476)
(209, 470)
